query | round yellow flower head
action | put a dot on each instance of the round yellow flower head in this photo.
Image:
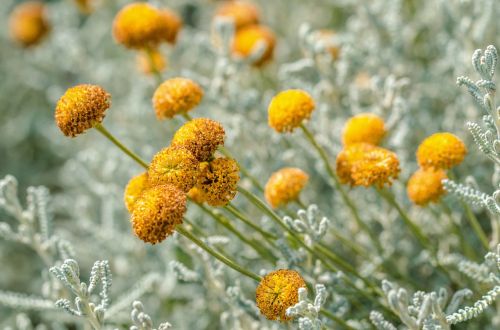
(140, 25)
(80, 108)
(174, 165)
(218, 181)
(327, 38)
(176, 96)
(242, 13)
(134, 189)
(288, 109)
(278, 291)
(365, 127)
(367, 165)
(28, 23)
(157, 212)
(285, 186)
(173, 23)
(425, 186)
(196, 195)
(201, 136)
(441, 150)
(247, 38)
(144, 61)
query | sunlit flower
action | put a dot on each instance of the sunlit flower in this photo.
(134, 189)
(176, 96)
(247, 38)
(441, 150)
(242, 13)
(80, 108)
(196, 195)
(149, 63)
(285, 186)
(278, 291)
(174, 165)
(140, 25)
(28, 23)
(288, 110)
(201, 136)
(218, 181)
(425, 186)
(347, 157)
(174, 24)
(365, 127)
(157, 212)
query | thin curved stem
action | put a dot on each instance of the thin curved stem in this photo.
(154, 69)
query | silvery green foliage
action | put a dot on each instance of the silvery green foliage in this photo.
(69, 274)
(308, 311)
(142, 321)
(309, 224)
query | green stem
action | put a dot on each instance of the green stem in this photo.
(154, 69)
(243, 170)
(469, 253)
(110, 137)
(234, 211)
(217, 255)
(186, 116)
(336, 319)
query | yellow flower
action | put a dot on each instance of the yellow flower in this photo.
(28, 23)
(80, 108)
(242, 13)
(144, 61)
(285, 186)
(140, 25)
(218, 181)
(157, 212)
(367, 165)
(288, 109)
(425, 186)
(248, 37)
(278, 291)
(174, 165)
(134, 189)
(201, 136)
(176, 96)
(196, 195)
(174, 24)
(365, 127)
(441, 150)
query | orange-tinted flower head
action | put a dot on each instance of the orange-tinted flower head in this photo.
(242, 13)
(425, 186)
(365, 127)
(441, 151)
(218, 181)
(247, 38)
(134, 189)
(176, 96)
(28, 23)
(289, 109)
(285, 186)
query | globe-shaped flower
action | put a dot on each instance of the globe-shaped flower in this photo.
(157, 212)
(173, 23)
(347, 157)
(28, 23)
(441, 150)
(425, 186)
(149, 63)
(174, 165)
(278, 291)
(201, 136)
(288, 109)
(365, 127)
(134, 189)
(140, 25)
(285, 186)
(196, 195)
(80, 108)
(176, 96)
(242, 13)
(218, 181)
(247, 38)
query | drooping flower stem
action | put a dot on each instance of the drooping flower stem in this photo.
(126, 150)
(186, 233)
(154, 69)
(345, 197)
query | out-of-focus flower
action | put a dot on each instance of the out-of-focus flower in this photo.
(176, 96)
(201, 136)
(218, 181)
(425, 186)
(278, 291)
(285, 186)
(173, 23)
(157, 212)
(80, 108)
(149, 63)
(140, 25)
(28, 23)
(441, 151)
(242, 13)
(365, 127)
(174, 165)
(247, 38)
(288, 109)
(134, 189)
